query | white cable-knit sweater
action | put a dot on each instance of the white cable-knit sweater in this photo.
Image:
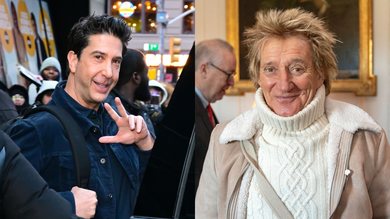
(221, 194)
(292, 155)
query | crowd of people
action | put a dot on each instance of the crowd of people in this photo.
(296, 154)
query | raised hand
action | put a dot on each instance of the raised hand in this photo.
(131, 129)
(85, 201)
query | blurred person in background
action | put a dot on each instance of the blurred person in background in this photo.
(132, 86)
(161, 185)
(20, 98)
(45, 92)
(20, 45)
(298, 153)
(169, 88)
(7, 106)
(158, 96)
(215, 66)
(40, 48)
(50, 71)
(4, 77)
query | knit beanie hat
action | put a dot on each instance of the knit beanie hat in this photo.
(51, 62)
(18, 89)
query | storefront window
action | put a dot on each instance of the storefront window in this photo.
(140, 15)
(189, 20)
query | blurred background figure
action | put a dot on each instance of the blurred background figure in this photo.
(215, 65)
(4, 78)
(7, 107)
(38, 42)
(158, 97)
(18, 38)
(45, 92)
(132, 86)
(50, 71)
(167, 161)
(158, 92)
(19, 96)
(20, 45)
(169, 88)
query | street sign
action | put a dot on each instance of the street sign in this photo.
(162, 17)
(151, 47)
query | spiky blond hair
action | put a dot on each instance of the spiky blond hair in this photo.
(279, 23)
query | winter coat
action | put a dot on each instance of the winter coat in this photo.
(23, 192)
(358, 144)
(44, 143)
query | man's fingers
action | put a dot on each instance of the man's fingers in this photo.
(139, 124)
(131, 122)
(121, 108)
(111, 112)
(108, 139)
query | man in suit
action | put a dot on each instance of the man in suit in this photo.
(215, 65)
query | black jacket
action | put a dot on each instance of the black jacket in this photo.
(23, 192)
(158, 192)
(7, 108)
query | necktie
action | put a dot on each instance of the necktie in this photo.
(211, 116)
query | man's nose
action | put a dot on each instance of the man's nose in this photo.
(230, 81)
(107, 71)
(284, 80)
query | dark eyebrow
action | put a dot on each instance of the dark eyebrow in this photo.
(105, 54)
(98, 52)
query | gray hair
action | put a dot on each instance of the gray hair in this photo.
(208, 50)
(278, 23)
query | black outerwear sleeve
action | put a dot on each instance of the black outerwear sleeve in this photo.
(23, 192)
(159, 189)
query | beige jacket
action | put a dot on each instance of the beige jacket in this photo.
(359, 165)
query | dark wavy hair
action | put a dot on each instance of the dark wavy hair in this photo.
(97, 24)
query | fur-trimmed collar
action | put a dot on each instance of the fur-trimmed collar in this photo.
(347, 116)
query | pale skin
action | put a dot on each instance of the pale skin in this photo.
(287, 76)
(212, 82)
(91, 78)
(46, 99)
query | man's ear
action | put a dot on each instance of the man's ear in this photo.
(203, 71)
(137, 78)
(72, 60)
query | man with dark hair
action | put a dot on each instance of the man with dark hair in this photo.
(118, 144)
(133, 86)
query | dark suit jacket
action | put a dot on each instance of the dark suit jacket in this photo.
(203, 129)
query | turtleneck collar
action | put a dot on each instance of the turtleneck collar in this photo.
(300, 121)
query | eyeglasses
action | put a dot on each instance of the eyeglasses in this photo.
(230, 75)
